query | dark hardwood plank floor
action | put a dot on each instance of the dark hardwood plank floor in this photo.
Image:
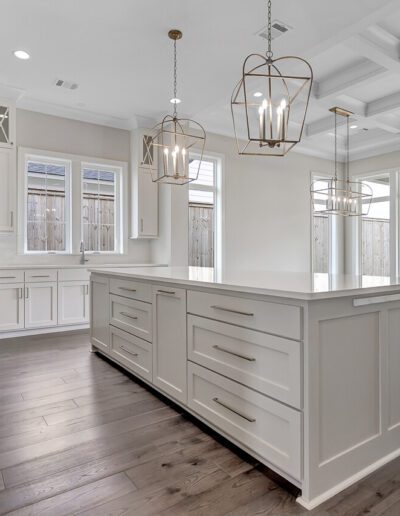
(80, 436)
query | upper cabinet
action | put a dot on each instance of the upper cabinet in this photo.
(144, 191)
(7, 124)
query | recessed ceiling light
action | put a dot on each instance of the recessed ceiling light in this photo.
(257, 94)
(21, 54)
(353, 126)
(175, 101)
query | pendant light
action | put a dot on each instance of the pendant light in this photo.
(269, 103)
(173, 138)
(342, 196)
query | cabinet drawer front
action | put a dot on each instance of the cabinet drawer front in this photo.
(37, 275)
(263, 362)
(131, 289)
(133, 352)
(132, 316)
(264, 426)
(73, 275)
(275, 318)
(11, 276)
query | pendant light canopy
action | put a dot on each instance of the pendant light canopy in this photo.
(342, 196)
(172, 140)
(269, 103)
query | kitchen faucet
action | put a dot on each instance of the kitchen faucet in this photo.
(83, 260)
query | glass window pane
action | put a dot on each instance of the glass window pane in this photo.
(321, 243)
(206, 172)
(46, 217)
(375, 228)
(98, 209)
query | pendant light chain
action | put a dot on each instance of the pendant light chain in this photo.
(175, 81)
(347, 150)
(336, 146)
(269, 51)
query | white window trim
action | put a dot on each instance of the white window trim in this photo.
(355, 223)
(219, 204)
(75, 198)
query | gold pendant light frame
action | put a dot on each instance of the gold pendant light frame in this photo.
(342, 196)
(267, 97)
(172, 139)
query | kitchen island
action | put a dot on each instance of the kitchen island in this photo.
(301, 371)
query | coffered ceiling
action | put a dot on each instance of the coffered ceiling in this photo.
(119, 55)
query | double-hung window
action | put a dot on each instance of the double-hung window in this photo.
(47, 205)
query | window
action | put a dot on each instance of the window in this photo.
(375, 229)
(202, 213)
(47, 205)
(320, 230)
(100, 221)
(67, 199)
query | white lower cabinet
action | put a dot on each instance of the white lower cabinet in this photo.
(11, 306)
(132, 352)
(268, 428)
(169, 341)
(100, 312)
(40, 304)
(73, 302)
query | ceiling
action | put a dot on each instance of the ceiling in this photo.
(120, 56)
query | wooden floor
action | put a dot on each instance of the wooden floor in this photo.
(78, 436)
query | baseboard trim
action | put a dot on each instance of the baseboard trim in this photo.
(42, 331)
(323, 497)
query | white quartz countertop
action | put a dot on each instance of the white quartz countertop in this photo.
(79, 266)
(283, 284)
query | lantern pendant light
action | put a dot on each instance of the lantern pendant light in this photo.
(342, 196)
(172, 139)
(269, 103)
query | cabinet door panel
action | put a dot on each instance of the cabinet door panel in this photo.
(148, 202)
(99, 312)
(169, 341)
(40, 304)
(11, 307)
(73, 302)
(7, 185)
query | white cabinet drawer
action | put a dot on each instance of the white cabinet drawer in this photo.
(132, 316)
(263, 426)
(11, 276)
(134, 353)
(131, 289)
(263, 362)
(35, 275)
(275, 318)
(73, 275)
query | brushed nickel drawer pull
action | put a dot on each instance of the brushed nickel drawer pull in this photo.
(41, 276)
(228, 407)
(224, 309)
(171, 292)
(20, 294)
(239, 355)
(125, 314)
(8, 277)
(127, 289)
(129, 352)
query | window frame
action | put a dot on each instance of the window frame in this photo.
(219, 205)
(75, 194)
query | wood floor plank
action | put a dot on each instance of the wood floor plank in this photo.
(41, 410)
(28, 425)
(75, 500)
(2, 486)
(28, 384)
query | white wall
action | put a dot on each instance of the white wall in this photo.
(45, 132)
(267, 210)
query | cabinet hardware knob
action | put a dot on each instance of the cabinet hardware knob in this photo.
(231, 310)
(235, 411)
(239, 355)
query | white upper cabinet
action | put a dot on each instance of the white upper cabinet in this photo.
(144, 191)
(7, 124)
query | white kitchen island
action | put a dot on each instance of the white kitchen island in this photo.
(300, 371)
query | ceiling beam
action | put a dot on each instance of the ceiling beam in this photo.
(342, 80)
(383, 105)
(377, 49)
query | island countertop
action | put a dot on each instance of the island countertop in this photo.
(292, 285)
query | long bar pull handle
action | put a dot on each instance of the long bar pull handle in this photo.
(129, 352)
(8, 277)
(20, 294)
(26, 292)
(239, 355)
(127, 289)
(231, 310)
(125, 314)
(87, 290)
(235, 411)
(170, 292)
(41, 276)
(11, 219)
